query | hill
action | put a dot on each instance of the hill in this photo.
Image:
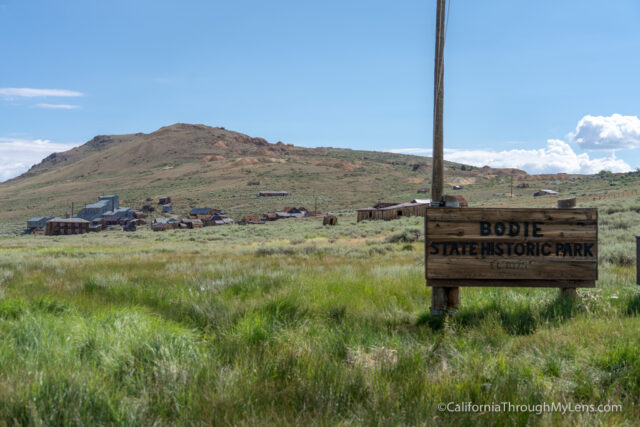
(200, 165)
(197, 165)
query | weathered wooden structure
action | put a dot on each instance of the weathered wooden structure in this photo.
(250, 219)
(545, 192)
(273, 193)
(202, 213)
(162, 224)
(38, 222)
(511, 247)
(192, 223)
(330, 219)
(394, 211)
(66, 226)
(218, 219)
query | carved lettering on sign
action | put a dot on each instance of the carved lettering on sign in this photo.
(511, 246)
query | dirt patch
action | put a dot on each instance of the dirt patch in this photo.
(221, 144)
(415, 180)
(457, 180)
(250, 161)
(209, 159)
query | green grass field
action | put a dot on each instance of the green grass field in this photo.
(296, 323)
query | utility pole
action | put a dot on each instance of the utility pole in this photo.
(437, 181)
(442, 299)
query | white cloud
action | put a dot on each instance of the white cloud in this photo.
(18, 155)
(556, 156)
(614, 132)
(25, 92)
(58, 106)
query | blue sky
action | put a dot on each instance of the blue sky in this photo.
(520, 76)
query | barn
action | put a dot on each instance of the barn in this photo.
(387, 212)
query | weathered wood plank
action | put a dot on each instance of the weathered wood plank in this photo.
(569, 216)
(502, 249)
(511, 268)
(441, 230)
(445, 283)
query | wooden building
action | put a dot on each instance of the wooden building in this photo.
(65, 226)
(38, 222)
(192, 223)
(162, 224)
(202, 213)
(273, 193)
(545, 192)
(330, 219)
(219, 219)
(250, 219)
(396, 211)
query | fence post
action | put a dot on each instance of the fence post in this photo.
(637, 259)
(569, 203)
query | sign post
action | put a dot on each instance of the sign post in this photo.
(518, 247)
(637, 260)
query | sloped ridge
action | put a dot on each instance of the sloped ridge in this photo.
(180, 142)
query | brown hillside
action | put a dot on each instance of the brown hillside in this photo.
(200, 165)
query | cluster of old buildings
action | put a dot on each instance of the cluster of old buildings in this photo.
(107, 212)
(198, 218)
(93, 217)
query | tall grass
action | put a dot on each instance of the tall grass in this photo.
(296, 323)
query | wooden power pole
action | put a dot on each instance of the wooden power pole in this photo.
(442, 299)
(437, 179)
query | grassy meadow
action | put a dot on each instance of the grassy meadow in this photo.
(296, 323)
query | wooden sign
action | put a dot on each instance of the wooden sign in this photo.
(511, 247)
